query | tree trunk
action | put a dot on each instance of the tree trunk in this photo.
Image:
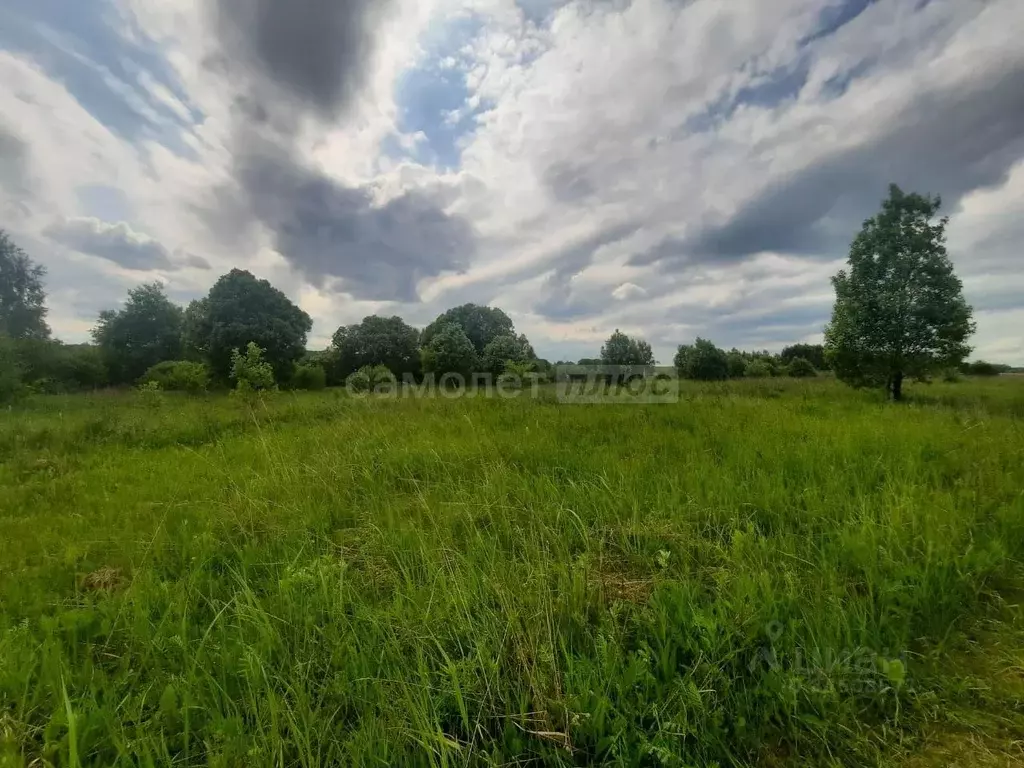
(897, 386)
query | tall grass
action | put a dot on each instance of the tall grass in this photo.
(764, 573)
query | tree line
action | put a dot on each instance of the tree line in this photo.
(899, 313)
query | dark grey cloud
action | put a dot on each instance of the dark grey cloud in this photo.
(117, 243)
(326, 229)
(312, 57)
(948, 142)
(315, 51)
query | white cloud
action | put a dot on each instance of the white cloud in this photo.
(619, 129)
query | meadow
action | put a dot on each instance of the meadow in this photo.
(772, 573)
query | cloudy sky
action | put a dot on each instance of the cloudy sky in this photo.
(666, 167)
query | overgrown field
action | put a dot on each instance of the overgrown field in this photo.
(766, 573)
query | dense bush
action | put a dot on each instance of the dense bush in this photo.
(10, 371)
(179, 376)
(50, 367)
(983, 368)
(737, 364)
(250, 371)
(370, 378)
(702, 361)
(801, 368)
(757, 369)
(309, 376)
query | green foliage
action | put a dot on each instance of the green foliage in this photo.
(769, 573)
(621, 349)
(179, 376)
(983, 368)
(146, 331)
(801, 368)
(22, 298)
(504, 349)
(387, 341)
(900, 310)
(516, 373)
(250, 370)
(814, 353)
(702, 361)
(309, 376)
(241, 309)
(371, 378)
(11, 384)
(51, 367)
(736, 364)
(757, 369)
(450, 351)
(480, 324)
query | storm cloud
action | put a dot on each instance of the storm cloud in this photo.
(948, 142)
(315, 51)
(326, 229)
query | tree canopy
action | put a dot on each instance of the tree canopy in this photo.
(480, 324)
(450, 351)
(900, 309)
(22, 307)
(703, 361)
(506, 349)
(240, 309)
(621, 349)
(387, 341)
(146, 331)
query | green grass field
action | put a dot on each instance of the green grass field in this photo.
(765, 573)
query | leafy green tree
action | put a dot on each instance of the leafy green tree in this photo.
(11, 384)
(900, 309)
(621, 349)
(737, 364)
(480, 324)
(801, 368)
(240, 309)
(22, 298)
(195, 330)
(387, 341)
(450, 351)
(146, 331)
(250, 370)
(702, 361)
(813, 353)
(504, 349)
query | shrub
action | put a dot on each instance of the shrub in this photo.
(179, 376)
(370, 378)
(10, 371)
(737, 364)
(757, 369)
(309, 376)
(801, 368)
(703, 361)
(250, 371)
(982, 368)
